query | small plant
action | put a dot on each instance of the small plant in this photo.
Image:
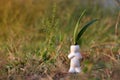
(78, 36)
(75, 55)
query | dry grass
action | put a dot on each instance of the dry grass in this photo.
(35, 36)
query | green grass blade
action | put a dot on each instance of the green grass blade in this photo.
(83, 30)
(77, 25)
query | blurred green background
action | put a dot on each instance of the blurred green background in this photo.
(35, 34)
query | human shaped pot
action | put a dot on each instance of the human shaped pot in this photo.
(75, 57)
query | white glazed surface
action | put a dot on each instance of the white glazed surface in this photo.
(74, 57)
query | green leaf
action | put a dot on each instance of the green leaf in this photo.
(77, 25)
(83, 30)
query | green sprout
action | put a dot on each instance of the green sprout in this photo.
(77, 36)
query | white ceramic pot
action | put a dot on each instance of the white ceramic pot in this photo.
(75, 57)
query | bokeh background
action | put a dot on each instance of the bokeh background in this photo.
(35, 36)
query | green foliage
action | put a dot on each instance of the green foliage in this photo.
(35, 38)
(80, 33)
(77, 25)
